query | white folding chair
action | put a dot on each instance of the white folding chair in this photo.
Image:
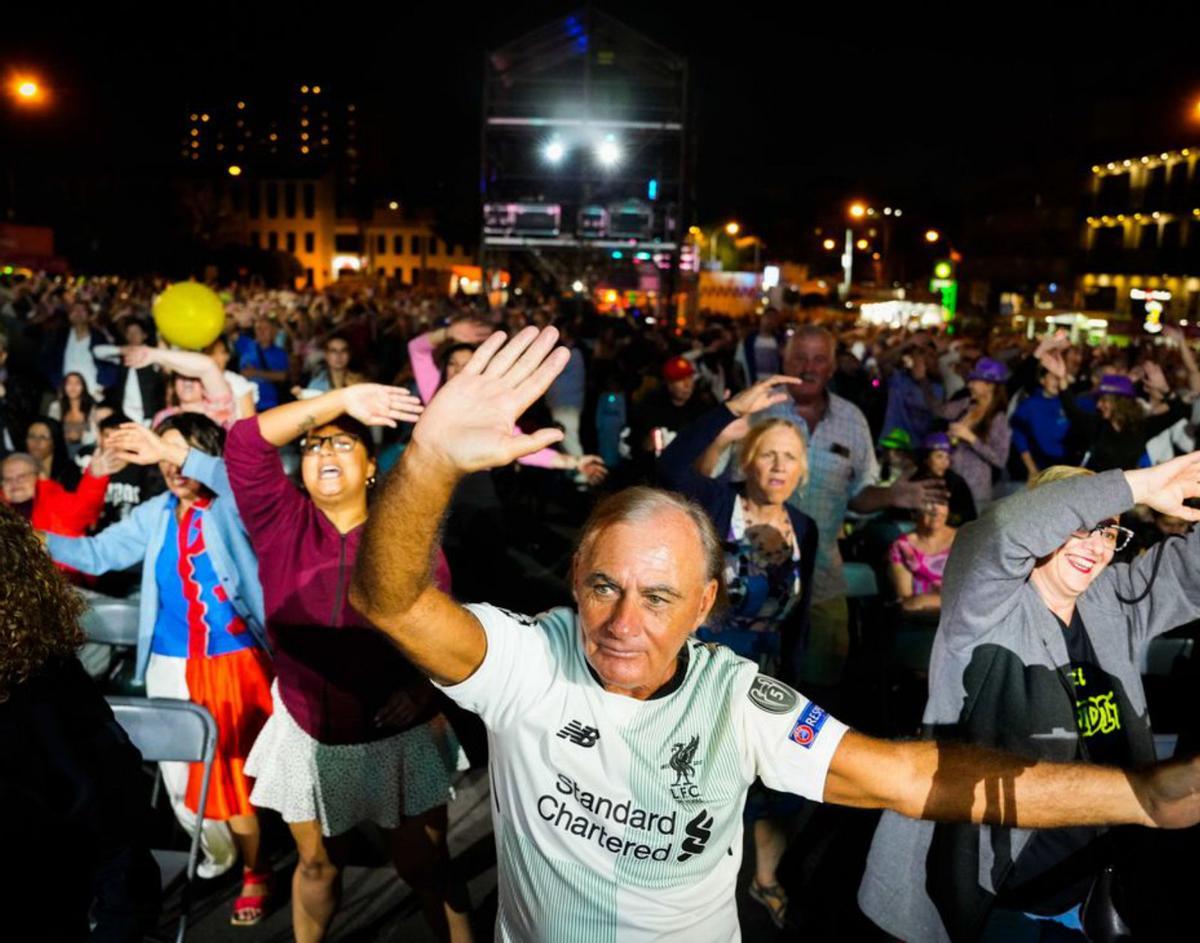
(167, 730)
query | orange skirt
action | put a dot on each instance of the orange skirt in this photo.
(236, 689)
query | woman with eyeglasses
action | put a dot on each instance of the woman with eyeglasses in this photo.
(356, 734)
(1038, 652)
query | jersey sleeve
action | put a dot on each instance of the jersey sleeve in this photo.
(519, 666)
(791, 740)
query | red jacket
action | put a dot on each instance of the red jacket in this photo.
(68, 513)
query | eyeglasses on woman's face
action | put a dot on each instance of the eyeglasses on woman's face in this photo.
(339, 442)
(1114, 536)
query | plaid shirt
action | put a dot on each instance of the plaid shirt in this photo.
(841, 462)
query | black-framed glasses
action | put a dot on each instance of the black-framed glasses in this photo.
(339, 442)
(1115, 537)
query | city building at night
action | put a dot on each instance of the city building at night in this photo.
(296, 173)
(1140, 255)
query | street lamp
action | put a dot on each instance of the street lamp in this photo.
(932, 236)
(829, 245)
(732, 228)
(235, 170)
(861, 245)
(857, 210)
(27, 90)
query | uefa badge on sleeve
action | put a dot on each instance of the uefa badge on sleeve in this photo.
(808, 725)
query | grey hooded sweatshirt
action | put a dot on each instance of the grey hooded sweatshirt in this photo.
(999, 677)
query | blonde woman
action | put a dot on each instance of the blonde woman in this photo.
(770, 548)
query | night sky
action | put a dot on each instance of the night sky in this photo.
(942, 112)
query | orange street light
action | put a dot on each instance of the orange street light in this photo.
(732, 228)
(27, 90)
(857, 210)
(829, 245)
(861, 245)
(235, 170)
(932, 235)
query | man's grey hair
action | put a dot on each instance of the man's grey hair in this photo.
(22, 457)
(806, 331)
(639, 504)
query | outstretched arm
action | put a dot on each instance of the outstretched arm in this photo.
(468, 426)
(950, 782)
(189, 363)
(374, 404)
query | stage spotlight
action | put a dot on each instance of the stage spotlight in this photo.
(554, 151)
(608, 152)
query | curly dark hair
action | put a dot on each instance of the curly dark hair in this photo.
(39, 612)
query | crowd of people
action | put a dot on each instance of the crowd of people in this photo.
(311, 515)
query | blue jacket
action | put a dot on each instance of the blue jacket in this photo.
(139, 538)
(676, 468)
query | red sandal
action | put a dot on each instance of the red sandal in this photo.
(249, 909)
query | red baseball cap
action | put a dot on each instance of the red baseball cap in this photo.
(678, 368)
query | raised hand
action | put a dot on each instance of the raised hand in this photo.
(1165, 487)
(915, 495)
(137, 444)
(1156, 381)
(762, 394)
(593, 468)
(470, 423)
(374, 404)
(137, 356)
(105, 462)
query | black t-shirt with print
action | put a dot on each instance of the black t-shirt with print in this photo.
(1055, 869)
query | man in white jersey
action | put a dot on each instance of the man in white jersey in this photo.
(621, 752)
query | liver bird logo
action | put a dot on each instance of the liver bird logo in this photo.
(683, 760)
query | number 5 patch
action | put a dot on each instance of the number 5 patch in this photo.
(808, 725)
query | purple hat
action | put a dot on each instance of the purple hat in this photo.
(989, 370)
(936, 442)
(1114, 384)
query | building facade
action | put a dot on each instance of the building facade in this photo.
(1140, 244)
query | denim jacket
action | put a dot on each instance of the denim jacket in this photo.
(140, 537)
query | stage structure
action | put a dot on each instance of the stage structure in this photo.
(584, 158)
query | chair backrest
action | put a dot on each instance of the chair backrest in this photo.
(111, 621)
(166, 729)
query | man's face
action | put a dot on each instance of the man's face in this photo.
(809, 359)
(135, 335)
(641, 590)
(19, 479)
(264, 332)
(78, 315)
(680, 391)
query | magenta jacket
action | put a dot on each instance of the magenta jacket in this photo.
(334, 671)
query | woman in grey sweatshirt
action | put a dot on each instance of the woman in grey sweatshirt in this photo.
(1037, 652)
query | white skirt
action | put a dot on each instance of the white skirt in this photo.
(341, 785)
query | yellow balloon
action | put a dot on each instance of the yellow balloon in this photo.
(189, 315)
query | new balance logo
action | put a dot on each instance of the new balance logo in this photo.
(699, 831)
(580, 735)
